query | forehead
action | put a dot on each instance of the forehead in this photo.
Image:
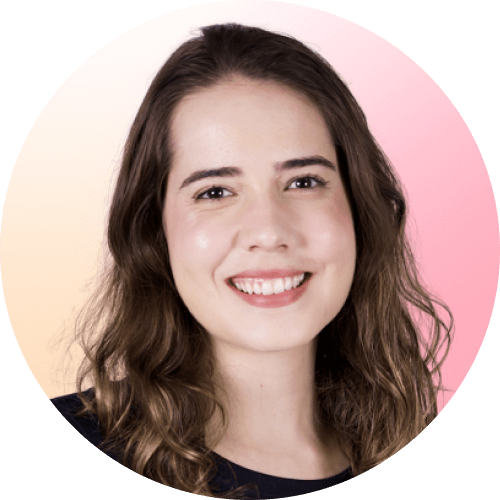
(246, 117)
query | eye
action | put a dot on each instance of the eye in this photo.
(213, 193)
(306, 182)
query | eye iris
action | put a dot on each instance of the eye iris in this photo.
(215, 193)
(304, 183)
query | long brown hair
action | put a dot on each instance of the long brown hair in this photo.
(150, 362)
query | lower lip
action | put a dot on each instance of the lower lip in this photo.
(278, 300)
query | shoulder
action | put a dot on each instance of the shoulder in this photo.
(87, 425)
(70, 403)
(69, 406)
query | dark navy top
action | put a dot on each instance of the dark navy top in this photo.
(228, 476)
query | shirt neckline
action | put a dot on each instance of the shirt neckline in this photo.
(262, 475)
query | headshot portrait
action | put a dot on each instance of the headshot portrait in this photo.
(249, 255)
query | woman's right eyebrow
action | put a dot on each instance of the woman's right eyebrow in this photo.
(214, 172)
(235, 171)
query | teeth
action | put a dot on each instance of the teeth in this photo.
(268, 287)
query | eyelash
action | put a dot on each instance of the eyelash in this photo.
(319, 183)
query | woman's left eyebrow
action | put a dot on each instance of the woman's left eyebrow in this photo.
(235, 171)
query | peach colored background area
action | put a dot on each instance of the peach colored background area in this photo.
(57, 200)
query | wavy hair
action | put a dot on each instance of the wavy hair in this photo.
(151, 363)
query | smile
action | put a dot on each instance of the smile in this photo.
(268, 287)
(274, 288)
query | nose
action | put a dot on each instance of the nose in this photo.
(267, 225)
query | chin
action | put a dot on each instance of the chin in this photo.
(267, 338)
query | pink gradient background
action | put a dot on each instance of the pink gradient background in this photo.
(57, 200)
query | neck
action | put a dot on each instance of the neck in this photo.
(270, 399)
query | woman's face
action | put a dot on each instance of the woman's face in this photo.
(258, 225)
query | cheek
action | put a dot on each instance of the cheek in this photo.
(202, 242)
(331, 233)
(334, 245)
(193, 246)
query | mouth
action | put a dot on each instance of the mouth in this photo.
(261, 286)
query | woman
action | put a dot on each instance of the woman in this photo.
(255, 334)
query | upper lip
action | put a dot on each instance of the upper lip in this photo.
(268, 274)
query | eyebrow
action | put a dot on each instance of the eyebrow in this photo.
(280, 166)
